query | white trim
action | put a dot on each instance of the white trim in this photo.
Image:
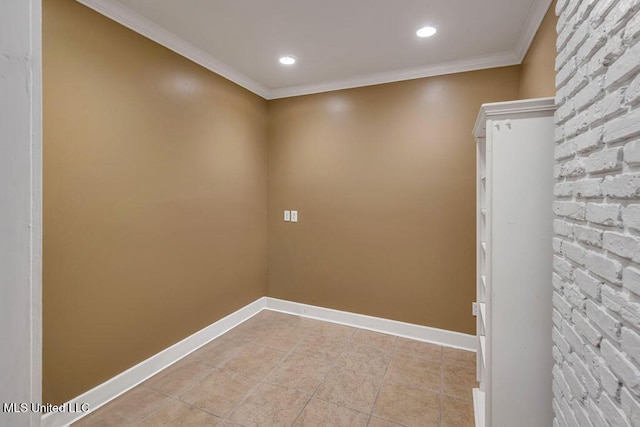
(536, 14)
(478, 407)
(121, 383)
(510, 107)
(21, 201)
(141, 25)
(138, 23)
(36, 207)
(378, 324)
(480, 63)
(125, 381)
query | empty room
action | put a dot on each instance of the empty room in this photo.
(320, 213)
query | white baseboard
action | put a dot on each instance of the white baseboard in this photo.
(478, 407)
(378, 324)
(121, 383)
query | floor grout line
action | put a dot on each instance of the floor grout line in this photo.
(141, 420)
(441, 383)
(258, 384)
(325, 376)
(384, 378)
(264, 379)
(259, 329)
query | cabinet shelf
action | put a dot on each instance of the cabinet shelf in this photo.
(479, 406)
(512, 260)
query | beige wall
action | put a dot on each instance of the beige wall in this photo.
(154, 198)
(383, 178)
(538, 76)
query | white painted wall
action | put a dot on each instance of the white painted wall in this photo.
(596, 280)
(20, 207)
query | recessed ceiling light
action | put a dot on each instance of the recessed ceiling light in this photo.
(287, 60)
(426, 32)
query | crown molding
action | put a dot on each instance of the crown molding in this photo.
(536, 14)
(123, 15)
(138, 23)
(494, 109)
(479, 63)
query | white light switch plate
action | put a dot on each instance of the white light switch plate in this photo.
(294, 216)
(287, 215)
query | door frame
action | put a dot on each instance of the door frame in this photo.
(21, 207)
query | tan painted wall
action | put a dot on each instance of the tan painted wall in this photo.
(383, 178)
(154, 198)
(538, 76)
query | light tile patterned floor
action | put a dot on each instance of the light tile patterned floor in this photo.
(281, 370)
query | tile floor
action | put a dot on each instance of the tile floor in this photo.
(277, 369)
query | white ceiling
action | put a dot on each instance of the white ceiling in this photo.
(338, 43)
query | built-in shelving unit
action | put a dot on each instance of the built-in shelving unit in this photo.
(514, 142)
(481, 325)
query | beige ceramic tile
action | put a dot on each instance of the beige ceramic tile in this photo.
(347, 388)
(375, 339)
(178, 413)
(216, 352)
(331, 346)
(270, 405)
(379, 422)
(301, 371)
(268, 320)
(219, 392)
(418, 349)
(457, 412)
(307, 325)
(229, 423)
(364, 360)
(176, 379)
(249, 329)
(244, 335)
(276, 317)
(280, 339)
(345, 392)
(458, 380)
(332, 330)
(255, 360)
(238, 337)
(320, 413)
(103, 418)
(414, 371)
(409, 406)
(452, 356)
(131, 407)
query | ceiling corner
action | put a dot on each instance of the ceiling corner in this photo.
(123, 15)
(141, 25)
(536, 14)
(473, 64)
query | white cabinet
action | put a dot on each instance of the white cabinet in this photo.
(514, 263)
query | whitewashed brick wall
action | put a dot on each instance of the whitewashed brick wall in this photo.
(596, 280)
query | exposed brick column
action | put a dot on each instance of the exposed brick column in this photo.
(596, 246)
